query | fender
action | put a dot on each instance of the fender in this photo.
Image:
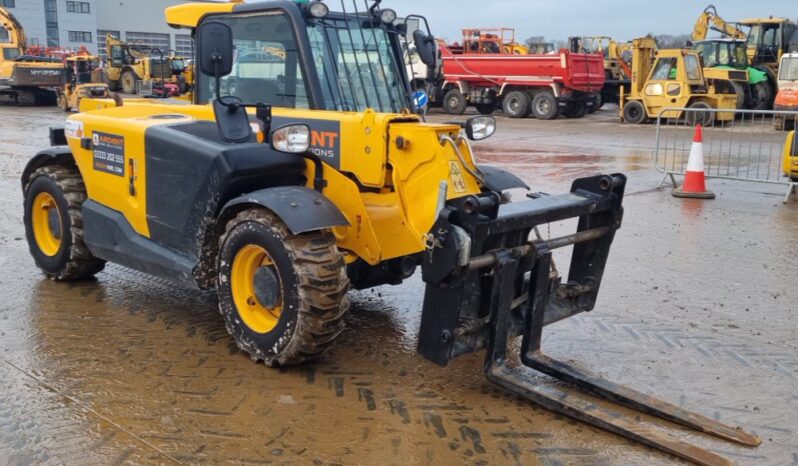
(56, 155)
(302, 209)
(499, 180)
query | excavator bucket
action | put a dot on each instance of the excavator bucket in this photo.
(488, 282)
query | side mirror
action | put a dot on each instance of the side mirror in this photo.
(215, 49)
(480, 127)
(426, 47)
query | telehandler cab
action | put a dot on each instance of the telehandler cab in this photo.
(320, 177)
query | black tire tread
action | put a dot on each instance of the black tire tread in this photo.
(323, 285)
(82, 263)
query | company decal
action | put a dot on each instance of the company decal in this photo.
(456, 177)
(325, 138)
(73, 129)
(109, 153)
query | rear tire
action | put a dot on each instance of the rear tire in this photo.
(516, 104)
(54, 224)
(294, 310)
(545, 106)
(697, 117)
(634, 112)
(486, 109)
(762, 96)
(129, 81)
(576, 110)
(454, 102)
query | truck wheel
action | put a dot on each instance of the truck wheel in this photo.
(129, 81)
(697, 116)
(597, 103)
(739, 90)
(486, 109)
(516, 104)
(634, 112)
(283, 296)
(576, 110)
(54, 224)
(63, 102)
(454, 102)
(544, 106)
(778, 123)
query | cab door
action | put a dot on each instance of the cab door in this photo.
(663, 88)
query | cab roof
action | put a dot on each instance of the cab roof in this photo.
(188, 15)
(771, 20)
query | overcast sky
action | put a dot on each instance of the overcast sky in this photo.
(559, 19)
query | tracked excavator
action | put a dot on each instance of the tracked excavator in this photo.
(24, 79)
(326, 177)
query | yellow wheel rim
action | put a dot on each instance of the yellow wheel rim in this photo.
(256, 316)
(46, 220)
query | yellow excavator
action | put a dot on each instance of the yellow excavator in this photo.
(756, 51)
(25, 80)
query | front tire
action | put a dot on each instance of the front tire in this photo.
(634, 112)
(454, 102)
(63, 102)
(283, 296)
(129, 81)
(54, 224)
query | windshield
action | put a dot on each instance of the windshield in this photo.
(789, 69)
(10, 54)
(357, 66)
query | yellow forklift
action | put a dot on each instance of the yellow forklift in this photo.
(672, 78)
(80, 84)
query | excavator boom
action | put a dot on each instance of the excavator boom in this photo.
(710, 20)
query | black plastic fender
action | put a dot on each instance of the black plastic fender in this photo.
(302, 209)
(49, 156)
(499, 180)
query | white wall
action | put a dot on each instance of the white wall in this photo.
(77, 22)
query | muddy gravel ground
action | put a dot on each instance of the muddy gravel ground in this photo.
(698, 306)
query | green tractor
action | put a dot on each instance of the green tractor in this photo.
(731, 54)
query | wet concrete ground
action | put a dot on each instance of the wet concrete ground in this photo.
(697, 306)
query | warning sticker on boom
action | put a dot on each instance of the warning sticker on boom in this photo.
(109, 153)
(456, 177)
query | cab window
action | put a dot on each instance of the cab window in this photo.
(789, 69)
(664, 69)
(708, 53)
(693, 67)
(5, 37)
(10, 54)
(266, 66)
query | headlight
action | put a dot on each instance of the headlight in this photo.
(318, 9)
(291, 139)
(387, 16)
(481, 127)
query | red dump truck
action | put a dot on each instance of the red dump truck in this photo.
(491, 71)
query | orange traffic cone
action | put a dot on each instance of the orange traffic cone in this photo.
(694, 180)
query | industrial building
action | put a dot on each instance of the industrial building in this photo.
(72, 24)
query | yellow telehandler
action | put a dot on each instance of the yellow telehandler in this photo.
(327, 177)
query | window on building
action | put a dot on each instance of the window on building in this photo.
(161, 42)
(184, 45)
(101, 35)
(51, 18)
(78, 7)
(79, 36)
(8, 3)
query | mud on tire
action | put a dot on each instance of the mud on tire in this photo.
(313, 285)
(73, 260)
